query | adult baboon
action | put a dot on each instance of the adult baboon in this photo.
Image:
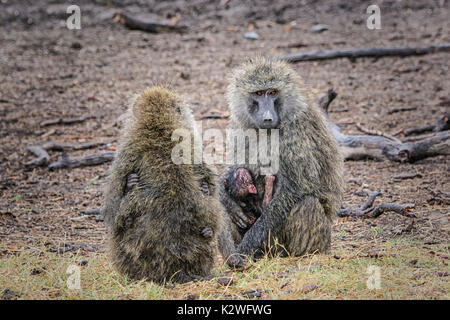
(265, 94)
(164, 218)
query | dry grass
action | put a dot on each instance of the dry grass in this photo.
(408, 270)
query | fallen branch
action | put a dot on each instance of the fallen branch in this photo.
(367, 211)
(152, 27)
(418, 130)
(442, 125)
(89, 160)
(358, 212)
(364, 52)
(42, 157)
(403, 209)
(357, 147)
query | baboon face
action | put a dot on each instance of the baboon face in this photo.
(263, 108)
(260, 92)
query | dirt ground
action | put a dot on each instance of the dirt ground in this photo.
(49, 71)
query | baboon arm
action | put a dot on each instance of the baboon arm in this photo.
(256, 239)
(115, 188)
(234, 212)
(113, 198)
(226, 243)
(227, 247)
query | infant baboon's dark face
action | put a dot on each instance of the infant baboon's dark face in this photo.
(264, 108)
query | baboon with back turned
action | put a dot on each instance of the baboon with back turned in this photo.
(266, 94)
(163, 224)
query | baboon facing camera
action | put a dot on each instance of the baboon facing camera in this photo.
(266, 94)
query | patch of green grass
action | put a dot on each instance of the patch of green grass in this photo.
(406, 271)
(376, 230)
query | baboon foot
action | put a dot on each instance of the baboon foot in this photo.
(236, 261)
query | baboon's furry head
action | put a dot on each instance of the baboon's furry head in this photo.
(261, 73)
(160, 109)
(153, 117)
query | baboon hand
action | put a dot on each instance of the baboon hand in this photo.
(240, 218)
(207, 232)
(236, 261)
(205, 188)
(132, 180)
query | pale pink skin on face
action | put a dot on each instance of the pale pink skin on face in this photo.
(245, 182)
(244, 179)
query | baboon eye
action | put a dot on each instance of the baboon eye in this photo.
(260, 92)
(273, 92)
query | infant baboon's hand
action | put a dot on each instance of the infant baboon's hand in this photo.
(207, 232)
(239, 218)
(236, 261)
(205, 188)
(132, 180)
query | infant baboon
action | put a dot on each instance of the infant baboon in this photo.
(164, 219)
(265, 94)
(241, 188)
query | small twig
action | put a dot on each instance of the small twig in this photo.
(402, 209)
(89, 160)
(63, 121)
(401, 109)
(152, 27)
(361, 211)
(372, 195)
(239, 270)
(367, 211)
(441, 125)
(405, 176)
(376, 132)
(91, 212)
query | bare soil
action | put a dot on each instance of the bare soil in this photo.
(49, 71)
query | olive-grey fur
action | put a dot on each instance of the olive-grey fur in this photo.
(155, 229)
(309, 183)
